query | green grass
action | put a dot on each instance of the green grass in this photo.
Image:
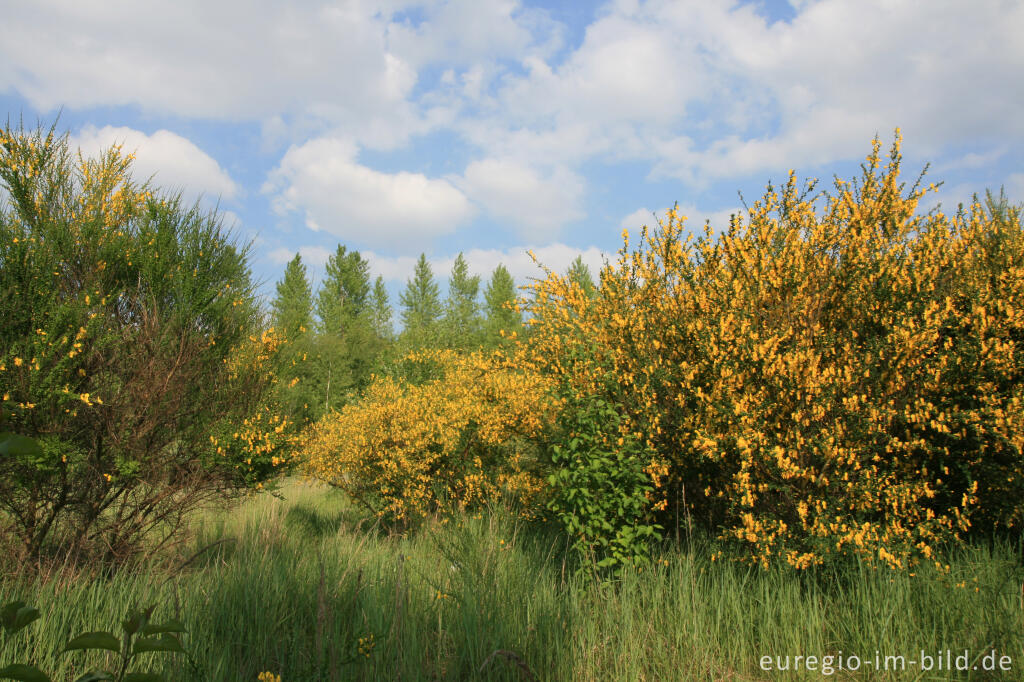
(296, 582)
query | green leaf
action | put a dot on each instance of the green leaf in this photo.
(169, 626)
(16, 615)
(24, 673)
(94, 640)
(164, 642)
(95, 677)
(137, 620)
(144, 677)
(8, 611)
(13, 445)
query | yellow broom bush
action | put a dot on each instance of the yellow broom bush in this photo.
(456, 440)
(813, 385)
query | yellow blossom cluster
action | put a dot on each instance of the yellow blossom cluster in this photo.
(264, 441)
(456, 441)
(814, 385)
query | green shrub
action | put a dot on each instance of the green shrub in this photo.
(599, 485)
(131, 348)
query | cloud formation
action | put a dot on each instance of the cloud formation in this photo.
(535, 204)
(322, 180)
(682, 90)
(173, 162)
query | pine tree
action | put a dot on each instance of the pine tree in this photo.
(421, 306)
(380, 308)
(292, 314)
(580, 274)
(462, 311)
(346, 345)
(344, 291)
(499, 297)
(292, 308)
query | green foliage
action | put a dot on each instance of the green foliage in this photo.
(139, 636)
(346, 346)
(421, 307)
(462, 322)
(579, 274)
(380, 309)
(122, 315)
(499, 306)
(599, 485)
(292, 316)
(344, 291)
(292, 308)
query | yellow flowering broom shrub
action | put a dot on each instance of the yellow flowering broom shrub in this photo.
(813, 385)
(130, 335)
(260, 444)
(459, 438)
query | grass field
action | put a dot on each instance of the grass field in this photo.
(306, 588)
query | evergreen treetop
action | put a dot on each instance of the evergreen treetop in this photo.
(462, 311)
(421, 302)
(292, 308)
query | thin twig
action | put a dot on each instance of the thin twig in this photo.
(514, 658)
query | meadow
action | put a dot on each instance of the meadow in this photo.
(306, 586)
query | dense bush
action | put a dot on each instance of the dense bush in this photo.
(599, 485)
(813, 385)
(131, 349)
(457, 438)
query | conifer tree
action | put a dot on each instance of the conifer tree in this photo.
(380, 308)
(421, 306)
(579, 273)
(462, 310)
(499, 297)
(292, 313)
(344, 292)
(292, 308)
(346, 346)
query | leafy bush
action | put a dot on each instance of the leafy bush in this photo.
(599, 485)
(131, 348)
(814, 386)
(455, 440)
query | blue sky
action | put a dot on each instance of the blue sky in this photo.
(495, 126)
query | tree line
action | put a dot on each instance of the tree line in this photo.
(344, 333)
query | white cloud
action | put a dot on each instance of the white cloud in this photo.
(174, 162)
(556, 257)
(230, 219)
(693, 90)
(641, 217)
(1014, 188)
(720, 219)
(971, 161)
(536, 205)
(470, 31)
(843, 70)
(225, 60)
(706, 91)
(312, 256)
(695, 218)
(322, 180)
